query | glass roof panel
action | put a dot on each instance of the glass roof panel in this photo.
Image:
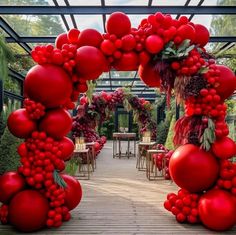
(213, 47)
(89, 21)
(25, 3)
(101, 82)
(120, 83)
(104, 75)
(168, 3)
(217, 2)
(122, 74)
(126, 2)
(84, 3)
(32, 25)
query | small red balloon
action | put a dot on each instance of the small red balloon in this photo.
(217, 210)
(154, 44)
(128, 42)
(22, 150)
(20, 124)
(186, 32)
(202, 35)
(90, 37)
(73, 35)
(10, 183)
(67, 148)
(61, 40)
(73, 192)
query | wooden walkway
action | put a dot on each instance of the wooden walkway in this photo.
(120, 200)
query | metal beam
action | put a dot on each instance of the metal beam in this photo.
(13, 96)
(7, 28)
(71, 15)
(51, 39)
(93, 10)
(186, 4)
(199, 4)
(16, 75)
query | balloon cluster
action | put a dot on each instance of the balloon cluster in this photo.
(168, 53)
(100, 109)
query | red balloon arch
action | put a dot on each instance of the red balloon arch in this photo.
(169, 54)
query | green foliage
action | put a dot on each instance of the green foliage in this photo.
(169, 141)
(9, 157)
(231, 103)
(107, 128)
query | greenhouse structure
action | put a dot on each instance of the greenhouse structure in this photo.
(117, 117)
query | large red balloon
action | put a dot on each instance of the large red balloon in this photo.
(67, 148)
(73, 192)
(217, 210)
(119, 24)
(20, 124)
(154, 44)
(193, 169)
(10, 184)
(56, 123)
(227, 82)
(128, 62)
(149, 75)
(90, 37)
(61, 40)
(202, 35)
(224, 148)
(48, 84)
(28, 211)
(90, 62)
(186, 32)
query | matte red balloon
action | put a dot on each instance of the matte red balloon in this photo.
(119, 24)
(73, 192)
(149, 75)
(28, 211)
(217, 210)
(73, 35)
(48, 84)
(20, 124)
(22, 150)
(187, 32)
(108, 47)
(227, 82)
(61, 40)
(82, 87)
(193, 169)
(128, 42)
(56, 123)
(90, 62)
(129, 61)
(202, 35)
(67, 148)
(224, 148)
(154, 44)
(90, 37)
(10, 183)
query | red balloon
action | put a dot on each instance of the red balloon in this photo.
(28, 211)
(90, 62)
(187, 32)
(67, 148)
(217, 210)
(149, 75)
(108, 47)
(128, 62)
(227, 82)
(193, 169)
(119, 24)
(97, 146)
(90, 37)
(48, 84)
(10, 183)
(154, 44)
(224, 148)
(202, 35)
(83, 100)
(22, 150)
(73, 35)
(56, 123)
(20, 124)
(128, 42)
(82, 87)
(73, 192)
(61, 40)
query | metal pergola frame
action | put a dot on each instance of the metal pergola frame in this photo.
(103, 10)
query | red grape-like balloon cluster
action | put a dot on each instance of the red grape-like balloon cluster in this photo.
(168, 53)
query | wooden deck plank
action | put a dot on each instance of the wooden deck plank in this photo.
(119, 200)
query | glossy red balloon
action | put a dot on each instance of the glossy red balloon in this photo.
(10, 183)
(28, 211)
(193, 169)
(48, 84)
(61, 40)
(73, 35)
(67, 148)
(20, 124)
(22, 150)
(202, 35)
(129, 61)
(90, 37)
(56, 123)
(149, 75)
(108, 47)
(217, 210)
(154, 44)
(224, 148)
(73, 192)
(119, 24)
(90, 62)
(128, 42)
(187, 32)
(227, 82)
